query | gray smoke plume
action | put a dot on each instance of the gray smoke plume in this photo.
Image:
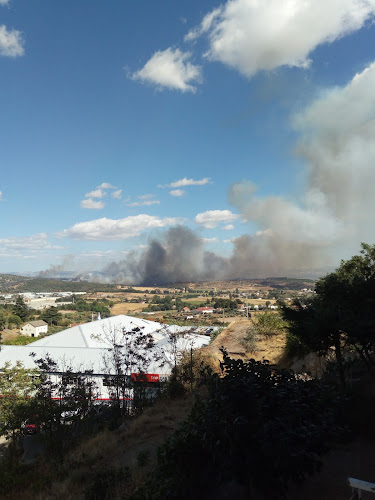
(59, 269)
(178, 256)
(327, 222)
(333, 214)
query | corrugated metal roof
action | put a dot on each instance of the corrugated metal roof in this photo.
(83, 347)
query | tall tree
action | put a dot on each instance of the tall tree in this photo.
(20, 308)
(341, 314)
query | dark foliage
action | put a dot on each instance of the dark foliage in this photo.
(260, 428)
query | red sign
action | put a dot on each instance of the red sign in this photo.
(145, 377)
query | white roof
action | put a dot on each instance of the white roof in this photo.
(82, 347)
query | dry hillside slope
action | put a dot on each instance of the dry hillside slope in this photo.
(231, 338)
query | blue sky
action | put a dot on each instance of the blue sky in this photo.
(250, 123)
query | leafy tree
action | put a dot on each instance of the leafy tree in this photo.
(20, 309)
(14, 320)
(340, 316)
(17, 387)
(52, 316)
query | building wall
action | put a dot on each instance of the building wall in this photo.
(32, 331)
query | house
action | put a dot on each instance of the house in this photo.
(34, 328)
(204, 310)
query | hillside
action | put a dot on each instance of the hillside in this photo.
(10, 283)
(232, 337)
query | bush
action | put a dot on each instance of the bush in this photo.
(259, 429)
(249, 341)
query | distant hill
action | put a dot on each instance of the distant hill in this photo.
(11, 283)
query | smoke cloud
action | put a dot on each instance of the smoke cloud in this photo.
(333, 214)
(178, 256)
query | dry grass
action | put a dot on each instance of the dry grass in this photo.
(126, 307)
(231, 338)
(133, 448)
(9, 334)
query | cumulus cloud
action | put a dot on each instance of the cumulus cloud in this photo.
(116, 229)
(209, 240)
(186, 182)
(35, 242)
(145, 196)
(106, 185)
(177, 192)
(1, 196)
(228, 227)
(251, 36)
(117, 194)
(212, 218)
(170, 69)
(144, 203)
(11, 42)
(97, 193)
(92, 204)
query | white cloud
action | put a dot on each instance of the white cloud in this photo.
(177, 192)
(97, 193)
(212, 218)
(106, 185)
(209, 240)
(4, 2)
(171, 69)
(1, 195)
(205, 25)
(251, 35)
(146, 196)
(186, 182)
(92, 204)
(144, 203)
(31, 243)
(228, 227)
(112, 229)
(11, 43)
(117, 194)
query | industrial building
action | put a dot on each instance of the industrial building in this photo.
(88, 347)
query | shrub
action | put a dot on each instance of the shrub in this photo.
(259, 429)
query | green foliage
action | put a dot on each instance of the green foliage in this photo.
(269, 324)
(249, 341)
(226, 304)
(20, 340)
(96, 306)
(20, 309)
(52, 316)
(17, 388)
(341, 315)
(259, 428)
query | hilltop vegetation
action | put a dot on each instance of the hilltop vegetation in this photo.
(10, 283)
